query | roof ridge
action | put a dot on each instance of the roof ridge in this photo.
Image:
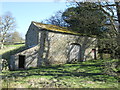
(55, 28)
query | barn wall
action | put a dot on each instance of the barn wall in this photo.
(55, 48)
(32, 36)
(31, 57)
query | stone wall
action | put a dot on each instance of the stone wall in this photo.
(32, 36)
(56, 47)
(53, 48)
(31, 57)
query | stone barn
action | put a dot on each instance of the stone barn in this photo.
(49, 44)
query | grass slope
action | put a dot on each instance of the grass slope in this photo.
(9, 48)
(88, 74)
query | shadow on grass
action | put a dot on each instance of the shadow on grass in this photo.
(56, 72)
(84, 70)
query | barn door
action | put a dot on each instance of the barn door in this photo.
(21, 61)
(74, 53)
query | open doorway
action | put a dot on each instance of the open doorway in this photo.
(21, 61)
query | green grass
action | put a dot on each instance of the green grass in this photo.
(88, 74)
(18, 45)
(10, 48)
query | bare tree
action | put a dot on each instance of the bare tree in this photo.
(13, 38)
(112, 13)
(56, 19)
(7, 23)
(114, 18)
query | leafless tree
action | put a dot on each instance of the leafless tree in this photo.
(112, 11)
(14, 37)
(7, 24)
(56, 19)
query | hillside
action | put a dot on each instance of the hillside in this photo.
(10, 48)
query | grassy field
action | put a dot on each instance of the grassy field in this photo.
(89, 74)
(9, 48)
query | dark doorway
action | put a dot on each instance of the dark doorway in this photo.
(21, 61)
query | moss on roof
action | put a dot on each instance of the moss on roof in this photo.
(55, 28)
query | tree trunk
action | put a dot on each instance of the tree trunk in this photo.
(118, 14)
(118, 11)
(1, 47)
(2, 44)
